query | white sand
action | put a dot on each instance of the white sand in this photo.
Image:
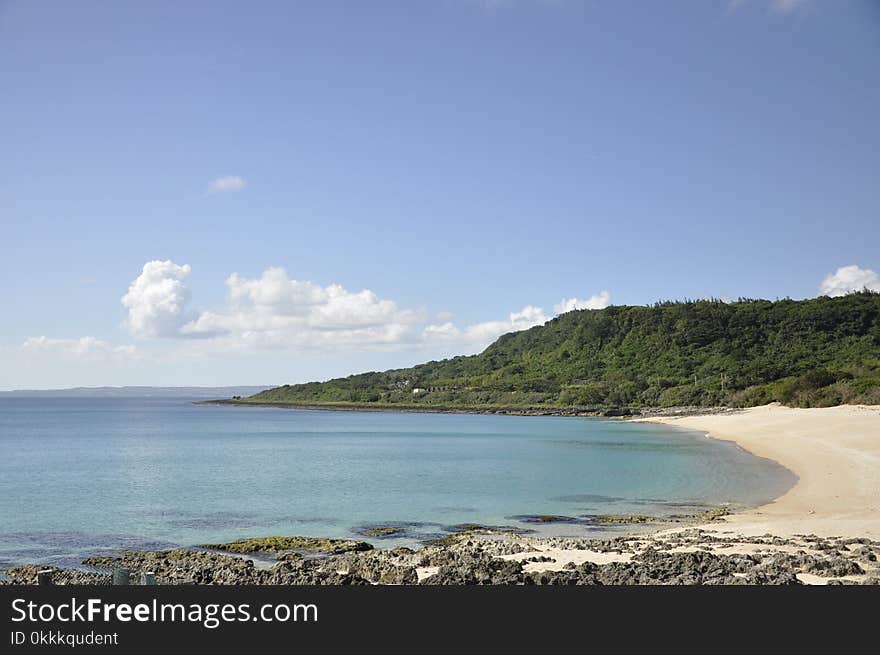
(563, 556)
(834, 451)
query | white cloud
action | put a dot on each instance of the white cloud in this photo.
(157, 300)
(226, 183)
(848, 279)
(600, 300)
(275, 310)
(84, 348)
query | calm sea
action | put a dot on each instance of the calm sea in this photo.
(83, 476)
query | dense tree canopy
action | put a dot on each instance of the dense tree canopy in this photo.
(818, 352)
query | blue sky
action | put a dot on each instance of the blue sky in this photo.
(396, 181)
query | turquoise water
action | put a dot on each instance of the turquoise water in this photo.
(80, 476)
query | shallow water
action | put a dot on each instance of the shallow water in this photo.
(83, 476)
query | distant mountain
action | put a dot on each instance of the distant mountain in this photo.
(818, 352)
(139, 392)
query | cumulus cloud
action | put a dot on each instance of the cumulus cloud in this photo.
(600, 300)
(84, 347)
(848, 279)
(157, 300)
(275, 310)
(226, 183)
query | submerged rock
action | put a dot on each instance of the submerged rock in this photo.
(545, 518)
(708, 515)
(382, 531)
(623, 518)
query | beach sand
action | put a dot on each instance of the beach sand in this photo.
(834, 451)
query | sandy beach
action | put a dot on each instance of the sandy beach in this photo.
(834, 451)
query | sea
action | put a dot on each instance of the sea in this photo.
(90, 476)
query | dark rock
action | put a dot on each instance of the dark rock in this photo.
(833, 566)
(545, 518)
(622, 519)
(382, 531)
(282, 544)
(466, 569)
(184, 566)
(27, 575)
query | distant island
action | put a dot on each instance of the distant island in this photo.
(804, 353)
(137, 392)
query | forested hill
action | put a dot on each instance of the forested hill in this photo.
(817, 352)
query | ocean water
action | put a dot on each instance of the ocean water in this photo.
(81, 476)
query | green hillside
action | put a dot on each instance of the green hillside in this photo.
(818, 352)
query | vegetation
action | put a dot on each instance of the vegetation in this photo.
(806, 353)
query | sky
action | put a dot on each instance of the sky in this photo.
(209, 193)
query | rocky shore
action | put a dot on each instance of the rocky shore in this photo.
(686, 557)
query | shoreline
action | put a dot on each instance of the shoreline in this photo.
(493, 410)
(833, 451)
(824, 530)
